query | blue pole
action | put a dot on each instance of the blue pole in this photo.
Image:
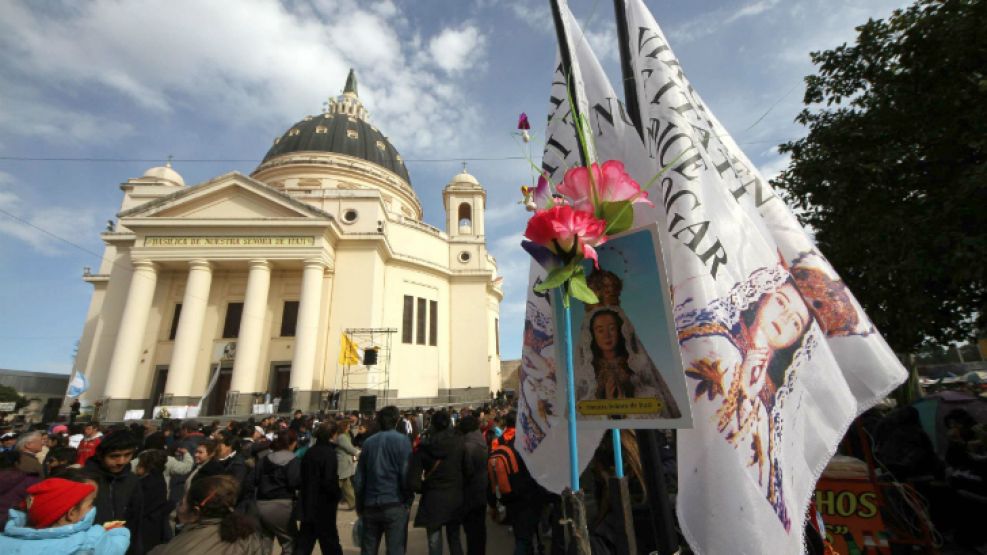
(571, 401)
(618, 453)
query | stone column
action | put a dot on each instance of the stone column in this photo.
(188, 335)
(307, 333)
(246, 366)
(130, 339)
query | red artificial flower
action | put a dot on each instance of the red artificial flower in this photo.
(567, 232)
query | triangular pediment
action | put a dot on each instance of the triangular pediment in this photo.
(231, 203)
(229, 197)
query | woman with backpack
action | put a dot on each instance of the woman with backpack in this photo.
(278, 476)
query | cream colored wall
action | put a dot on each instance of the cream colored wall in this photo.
(90, 329)
(468, 339)
(417, 370)
(357, 300)
(116, 263)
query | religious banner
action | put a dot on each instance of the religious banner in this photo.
(541, 421)
(779, 356)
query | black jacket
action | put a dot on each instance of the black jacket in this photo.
(236, 467)
(319, 492)
(443, 462)
(476, 485)
(155, 528)
(277, 476)
(119, 498)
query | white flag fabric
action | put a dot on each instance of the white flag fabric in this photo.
(542, 428)
(779, 356)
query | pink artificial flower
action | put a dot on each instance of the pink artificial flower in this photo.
(567, 232)
(613, 184)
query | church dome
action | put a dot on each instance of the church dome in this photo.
(463, 179)
(165, 173)
(342, 129)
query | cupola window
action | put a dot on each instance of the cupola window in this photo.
(321, 129)
(294, 132)
(465, 218)
(381, 146)
(352, 134)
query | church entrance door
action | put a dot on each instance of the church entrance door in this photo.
(217, 399)
(281, 385)
(157, 390)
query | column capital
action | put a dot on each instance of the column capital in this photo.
(259, 263)
(143, 264)
(314, 263)
(199, 264)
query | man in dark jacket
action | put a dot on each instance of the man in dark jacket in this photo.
(382, 496)
(319, 495)
(475, 494)
(119, 496)
(445, 469)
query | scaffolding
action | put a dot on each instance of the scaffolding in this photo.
(368, 379)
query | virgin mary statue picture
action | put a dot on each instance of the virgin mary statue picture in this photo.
(625, 354)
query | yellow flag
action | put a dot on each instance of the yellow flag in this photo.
(347, 351)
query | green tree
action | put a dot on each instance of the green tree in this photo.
(9, 395)
(891, 175)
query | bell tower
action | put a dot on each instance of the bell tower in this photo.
(465, 201)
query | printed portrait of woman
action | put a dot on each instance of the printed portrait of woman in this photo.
(611, 362)
(741, 351)
(770, 333)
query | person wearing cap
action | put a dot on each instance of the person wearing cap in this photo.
(7, 441)
(58, 518)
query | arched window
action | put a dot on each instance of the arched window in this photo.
(465, 218)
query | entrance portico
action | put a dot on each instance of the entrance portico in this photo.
(295, 246)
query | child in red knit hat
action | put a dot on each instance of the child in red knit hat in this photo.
(58, 518)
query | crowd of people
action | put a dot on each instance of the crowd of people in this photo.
(240, 487)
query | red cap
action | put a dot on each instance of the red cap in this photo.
(50, 499)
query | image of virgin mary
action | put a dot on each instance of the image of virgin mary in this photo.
(611, 362)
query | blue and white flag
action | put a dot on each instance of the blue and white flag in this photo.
(78, 385)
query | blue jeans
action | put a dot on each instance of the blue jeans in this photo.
(390, 522)
(452, 536)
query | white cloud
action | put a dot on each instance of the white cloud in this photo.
(457, 49)
(770, 170)
(503, 213)
(256, 63)
(716, 20)
(42, 227)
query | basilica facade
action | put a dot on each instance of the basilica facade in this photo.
(314, 274)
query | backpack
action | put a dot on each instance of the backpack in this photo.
(508, 477)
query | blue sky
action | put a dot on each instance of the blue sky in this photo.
(218, 80)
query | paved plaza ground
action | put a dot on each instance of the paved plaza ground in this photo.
(499, 538)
